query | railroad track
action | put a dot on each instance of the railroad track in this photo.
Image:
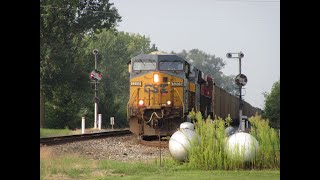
(81, 137)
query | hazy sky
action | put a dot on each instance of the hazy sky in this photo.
(215, 27)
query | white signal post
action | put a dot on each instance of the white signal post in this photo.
(83, 125)
(100, 119)
(112, 122)
(95, 114)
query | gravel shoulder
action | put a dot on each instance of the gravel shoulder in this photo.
(124, 149)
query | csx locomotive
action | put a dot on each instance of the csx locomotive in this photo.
(164, 88)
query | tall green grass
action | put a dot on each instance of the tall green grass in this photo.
(269, 143)
(211, 152)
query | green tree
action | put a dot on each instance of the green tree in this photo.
(115, 51)
(272, 105)
(210, 64)
(63, 24)
(228, 83)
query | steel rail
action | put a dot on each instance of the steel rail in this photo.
(81, 137)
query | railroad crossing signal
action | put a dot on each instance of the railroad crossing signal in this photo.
(96, 75)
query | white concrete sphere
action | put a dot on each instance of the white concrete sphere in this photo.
(242, 145)
(180, 142)
(187, 125)
(230, 130)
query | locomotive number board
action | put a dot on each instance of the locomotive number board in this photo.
(135, 83)
(177, 84)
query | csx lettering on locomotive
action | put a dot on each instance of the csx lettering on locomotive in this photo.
(155, 89)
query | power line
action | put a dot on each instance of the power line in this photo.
(55, 7)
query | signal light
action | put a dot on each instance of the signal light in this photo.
(140, 102)
(96, 75)
(241, 55)
(156, 78)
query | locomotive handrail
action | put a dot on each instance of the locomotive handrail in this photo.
(129, 103)
(181, 101)
(132, 95)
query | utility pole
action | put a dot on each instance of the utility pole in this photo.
(241, 80)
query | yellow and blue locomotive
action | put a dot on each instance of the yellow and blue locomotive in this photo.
(164, 88)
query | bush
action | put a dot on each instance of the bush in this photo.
(211, 152)
(272, 105)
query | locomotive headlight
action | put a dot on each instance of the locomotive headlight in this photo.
(168, 102)
(156, 78)
(141, 102)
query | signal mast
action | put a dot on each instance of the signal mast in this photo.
(95, 76)
(240, 80)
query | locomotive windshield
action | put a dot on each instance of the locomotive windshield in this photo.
(144, 65)
(171, 65)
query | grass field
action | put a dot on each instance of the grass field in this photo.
(207, 160)
(73, 166)
(54, 132)
(201, 174)
(64, 132)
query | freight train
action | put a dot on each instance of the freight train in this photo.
(164, 88)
